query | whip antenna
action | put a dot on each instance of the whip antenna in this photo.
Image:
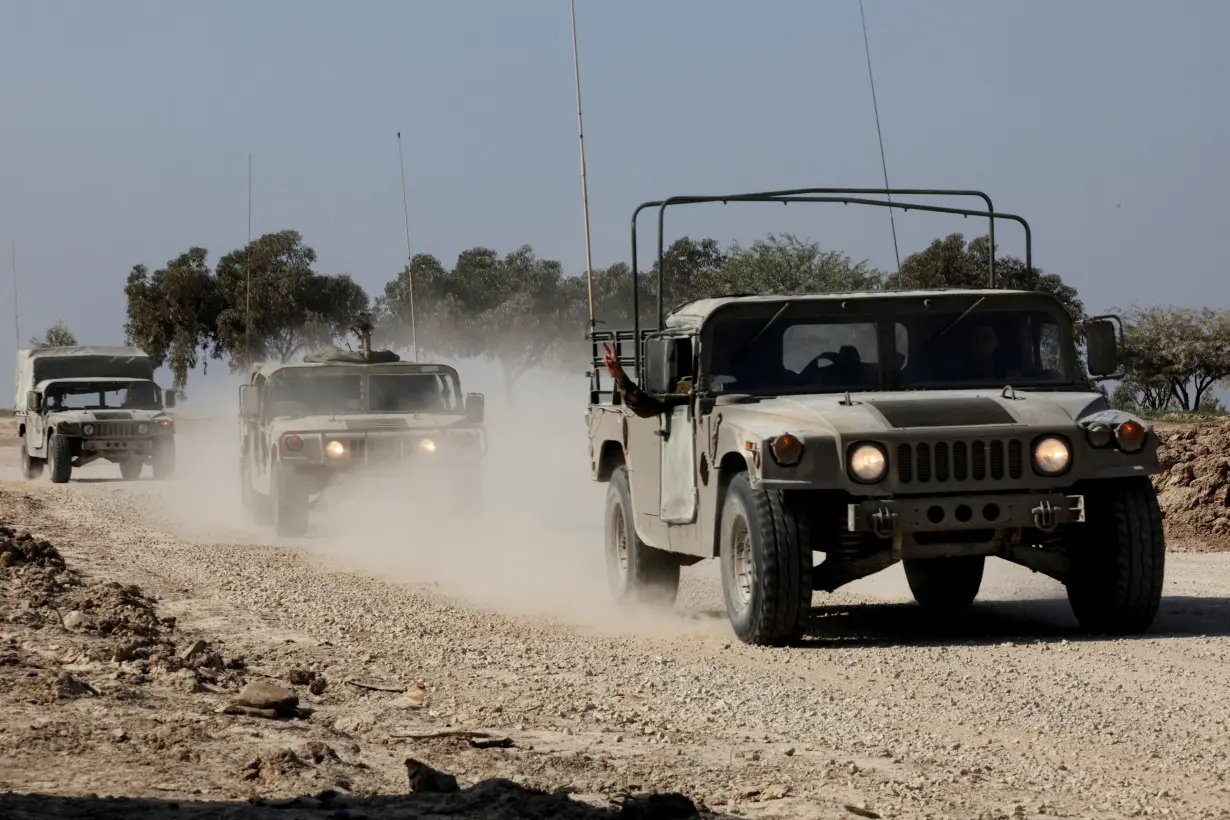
(414, 339)
(589, 264)
(16, 317)
(879, 134)
(247, 274)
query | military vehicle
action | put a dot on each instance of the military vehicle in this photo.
(79, 404)
(936, 428)
(307, 426)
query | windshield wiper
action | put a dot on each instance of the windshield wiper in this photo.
(752, 342)
(956, 321)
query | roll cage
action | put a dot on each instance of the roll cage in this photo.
(843, 196)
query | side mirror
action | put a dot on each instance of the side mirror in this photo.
(249, 401)
(666, 362)
(475, 407)
(1102, 348)
(168, 399)
(34, 401)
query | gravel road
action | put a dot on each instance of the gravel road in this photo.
(1004, 711)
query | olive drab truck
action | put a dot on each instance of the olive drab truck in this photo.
(307, 427)
(934, 428)
(81, 404)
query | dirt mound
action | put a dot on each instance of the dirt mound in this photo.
(1194, 485)
(23, 549)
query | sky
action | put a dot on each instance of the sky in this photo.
(125, 130)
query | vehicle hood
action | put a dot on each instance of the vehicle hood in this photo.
(870, 413)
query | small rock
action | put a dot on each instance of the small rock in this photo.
(263, 695)
(318, 685)
(74, 619)
(861, 811)
(195, 648)
(789, 752)
(119, 735)
(424, 778)
(300, 677)
(416, 695)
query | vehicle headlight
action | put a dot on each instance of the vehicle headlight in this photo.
(335, 449)
(1052, 455)
(427, 445)
(787, 450)
(88, 429)
(1131, 436)
(868, 463)
(142, 429)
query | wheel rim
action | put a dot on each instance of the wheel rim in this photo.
(741, 562)
(621, 541)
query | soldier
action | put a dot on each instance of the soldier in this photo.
(638, 401)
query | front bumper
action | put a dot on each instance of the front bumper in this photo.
(891, 516)
(119, 446)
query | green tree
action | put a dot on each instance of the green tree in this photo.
(173, 313)
(58, 335)
(292, 308)
(1175, 356)
(786, 264)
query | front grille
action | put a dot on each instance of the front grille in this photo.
(944, 461)
(115, 429)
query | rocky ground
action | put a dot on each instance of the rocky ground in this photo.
(158, 658)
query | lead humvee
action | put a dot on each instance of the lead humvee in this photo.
(934, 428)
(305, 427)
(86, 403)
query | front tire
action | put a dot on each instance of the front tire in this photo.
(31, 467)
(636, 572)
(767, 563)
(1115, 587)
(945, 583)
(255, 504)
(290, 507)
(164, 462)
(61, 459)
(131, 470)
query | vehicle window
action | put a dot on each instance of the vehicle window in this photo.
(992, 347)
(794, 355)
(302, 395)
(141, 396)
(411, 393)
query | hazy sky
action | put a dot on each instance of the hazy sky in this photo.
(125, 129)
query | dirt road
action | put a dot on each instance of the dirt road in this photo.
(1005, 711)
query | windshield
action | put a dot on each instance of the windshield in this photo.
(412, 393)
(103, 396)
(802, 352)
(308, 395)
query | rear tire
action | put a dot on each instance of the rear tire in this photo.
(767, 564)
(31, 467)
(945, 583)
(255, 504)
(61, 459)
(131, 470)
(289, 502)
(636, 572)
(1118, 567)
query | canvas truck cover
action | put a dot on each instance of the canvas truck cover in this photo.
(82, 361)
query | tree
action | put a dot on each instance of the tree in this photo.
(58, 335)
(951, 263)
(292, 307)
(173, 313)
(1175, 355)
(787, 264)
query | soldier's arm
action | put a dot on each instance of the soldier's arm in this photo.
(638, 401)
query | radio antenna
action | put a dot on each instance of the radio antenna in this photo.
(247, 272)
(414, 339)
(879, 134)
(16, 316)
(589, 264)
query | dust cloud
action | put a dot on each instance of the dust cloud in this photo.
(534, 547)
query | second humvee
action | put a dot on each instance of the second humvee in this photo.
(306, 426)
(935, 428)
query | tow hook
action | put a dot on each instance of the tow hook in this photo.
(882, 522)
(1046, 516)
